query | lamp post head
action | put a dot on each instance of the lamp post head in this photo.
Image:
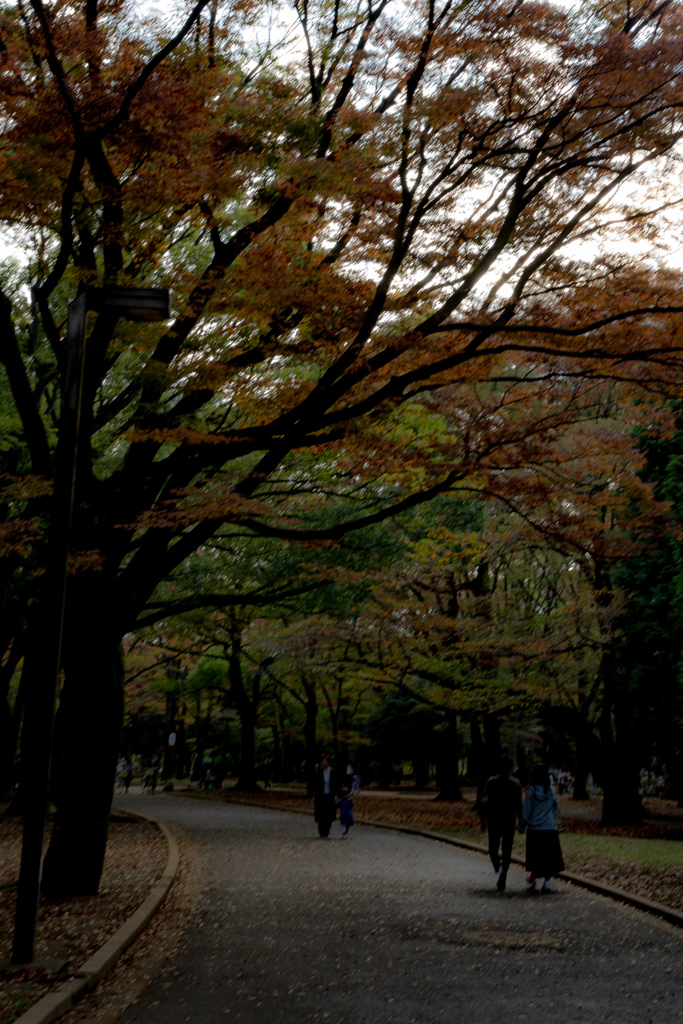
(148, 304)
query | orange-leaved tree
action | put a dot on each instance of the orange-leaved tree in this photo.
(366, 212)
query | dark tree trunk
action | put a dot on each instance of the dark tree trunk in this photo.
(289, 768)
(8, 745)
(16, 807)
(336, 752)
(674, 757)
(677, 784)
(421, 771)
(247, 773)
(181, 757)
(16, 804)
(675, 768)
(522, 764)
(19, 704)
(384, 773)
(494, 749)
(199, 728)
(622, 803)
(477, 758)
(334, 708)
(88, 733)
(310, 740)
(449, 765)
(8, 733)
(229, 747)
(247, 707)
(583, 734)
(582, 761)
(277, 752)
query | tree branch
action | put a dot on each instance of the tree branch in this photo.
(20, 385)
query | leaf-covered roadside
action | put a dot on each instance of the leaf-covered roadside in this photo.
(74, 929)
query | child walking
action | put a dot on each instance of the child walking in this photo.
(345, 805)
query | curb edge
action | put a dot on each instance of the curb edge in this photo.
(95, 967)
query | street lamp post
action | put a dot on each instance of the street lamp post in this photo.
(146, 304)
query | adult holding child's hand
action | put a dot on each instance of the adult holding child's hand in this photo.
(326, 789)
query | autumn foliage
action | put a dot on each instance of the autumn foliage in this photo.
(414, 249)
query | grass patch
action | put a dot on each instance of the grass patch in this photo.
(613, 851)
(652, 868)
(617, 850)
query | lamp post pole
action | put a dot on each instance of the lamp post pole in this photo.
(44, 661)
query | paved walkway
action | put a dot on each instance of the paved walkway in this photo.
(387, 927)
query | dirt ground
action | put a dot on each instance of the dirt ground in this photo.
(72, 930)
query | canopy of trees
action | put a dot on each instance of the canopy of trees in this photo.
(415, 250)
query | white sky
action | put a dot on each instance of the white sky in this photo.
(174, 13)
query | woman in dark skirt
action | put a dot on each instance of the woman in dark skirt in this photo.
(539, 821)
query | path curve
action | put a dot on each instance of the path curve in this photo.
(386, 927)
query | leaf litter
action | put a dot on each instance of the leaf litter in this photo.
(73, 929)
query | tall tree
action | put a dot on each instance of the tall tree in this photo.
(643, 706)
(375, 221)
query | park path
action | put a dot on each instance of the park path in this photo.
(386, 927)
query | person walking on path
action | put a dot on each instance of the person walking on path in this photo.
(345, 805)
(326, 789)
(539, 821)
(500, 808)
(127, 773)
(353, 779)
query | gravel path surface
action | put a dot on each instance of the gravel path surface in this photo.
(387, 927)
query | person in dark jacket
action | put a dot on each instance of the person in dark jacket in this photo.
(500, 806)
(326, 790)
(539, 821)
